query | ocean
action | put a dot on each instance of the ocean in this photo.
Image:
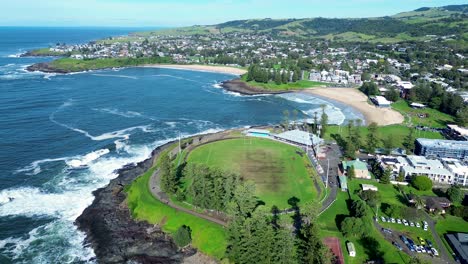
(63, 136)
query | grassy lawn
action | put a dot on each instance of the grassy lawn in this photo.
(280, 171)
(435, 118)
(75, 65)
(208, 237)
(399, 132)
(450, 224)
(302, 84)
(328, 224)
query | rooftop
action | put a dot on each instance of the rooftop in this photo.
(357, 164)
(442, 143)
(296, 136)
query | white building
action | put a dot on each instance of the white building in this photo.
(434, 169)
(380, 101)
(459, 171)
(369, 187)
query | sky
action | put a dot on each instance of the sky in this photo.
(150, 13)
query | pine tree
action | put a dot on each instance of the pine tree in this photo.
(385, 179)
(323, 122)
(372, 139)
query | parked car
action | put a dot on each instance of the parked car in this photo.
(418, 249)
(423, 250)
(411, 223)
(397, 245)
(404, 239)
(411, 248)
(383, 219)
(429, 243)
(386, 230)
(418, 225)
(398, 221)
(410, 241)
(392, 220)
(422, 241)
(434, 251)
(425, 228)
(405, 222)
(425, 223)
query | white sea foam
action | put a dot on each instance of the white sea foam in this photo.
(217, 85)
(88, 158)
(35, 166)
(177, 77)
(117, 76)
(127, 114)
(171, 124)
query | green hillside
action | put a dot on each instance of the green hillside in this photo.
(414, 25)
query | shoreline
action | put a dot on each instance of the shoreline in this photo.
(113, 233)
(357, 100)
(198, 67)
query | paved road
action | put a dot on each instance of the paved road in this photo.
(444, 254)
(333, 155)
(154, 185)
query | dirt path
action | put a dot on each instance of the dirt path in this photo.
(154, 185)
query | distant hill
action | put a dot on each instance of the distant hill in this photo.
(414, 25)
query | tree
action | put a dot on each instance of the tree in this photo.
(389, 143)
(401, 176)
(422, 183)
(359, 208)
(455, 194)
(385, 179)
(351, 173)
(369, 88)
(169, 182)
(372, 139)
(392, 95)
(408, 141)
(353, 227)
(182, 237)
(323, 122)
(372, 198)
(419, 202)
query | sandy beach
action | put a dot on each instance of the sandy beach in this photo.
(357, 100)
(207, 68)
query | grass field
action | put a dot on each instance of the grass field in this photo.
(208, 237)
(332, 217)
(399, 132)
(280, 171)
(450, 224)
(74, 65)
(434, 117)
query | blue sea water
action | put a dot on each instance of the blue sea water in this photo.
(50, 124)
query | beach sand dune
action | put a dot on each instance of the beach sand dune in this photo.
(207, 68)
(359, 101)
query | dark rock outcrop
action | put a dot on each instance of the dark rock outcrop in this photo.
(45, 67)
(114, 235)
(241, 87)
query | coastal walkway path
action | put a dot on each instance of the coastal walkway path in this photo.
(155, 189)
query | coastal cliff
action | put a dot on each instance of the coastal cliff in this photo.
(115, 236)
(239, 86)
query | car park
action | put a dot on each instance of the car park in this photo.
(397, 246)
(405, 222)
(386, 230)
(422, 241)
(429, 243)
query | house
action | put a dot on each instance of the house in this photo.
(351, 249)
(380, 101)
(459, 243)
(437, 204)
(360, 168)
(369, 187)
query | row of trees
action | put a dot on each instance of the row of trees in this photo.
(265, 75)
(259, 236)
(210, 188)
(436, 97)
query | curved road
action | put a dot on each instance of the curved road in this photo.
(154, 185)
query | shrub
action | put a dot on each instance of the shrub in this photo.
(182, 237)
(422, 183)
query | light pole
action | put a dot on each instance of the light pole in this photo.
(328, 169)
